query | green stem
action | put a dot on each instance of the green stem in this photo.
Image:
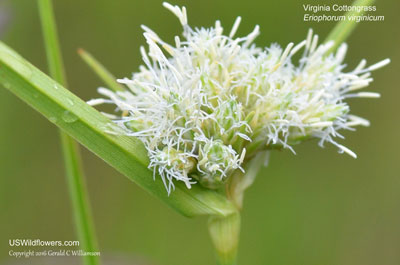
(225, 230)
(224, 233)
(70, 149)
(79, 199)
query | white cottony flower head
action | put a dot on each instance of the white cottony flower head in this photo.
(208, 104)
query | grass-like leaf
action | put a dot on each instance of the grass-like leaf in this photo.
(88, 126)
(343, 29)
(105, 75)
(71, 153)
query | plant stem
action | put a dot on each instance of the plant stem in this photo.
(225, 230)
(70, 149)
(224, 233)
(79, 198)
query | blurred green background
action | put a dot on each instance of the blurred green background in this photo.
(316, 207)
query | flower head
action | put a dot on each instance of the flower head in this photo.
(207, 104)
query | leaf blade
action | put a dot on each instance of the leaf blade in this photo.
(100, 70)
(126, 154)
(344, 28)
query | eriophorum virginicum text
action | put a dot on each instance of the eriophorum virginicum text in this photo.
(208, 104)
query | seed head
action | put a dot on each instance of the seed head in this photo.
(206, 105)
